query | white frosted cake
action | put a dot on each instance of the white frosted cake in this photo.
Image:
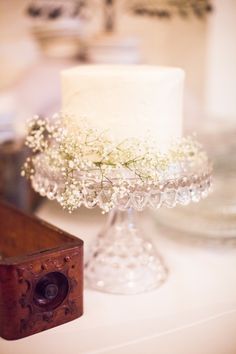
(128, 101)
(106, 146)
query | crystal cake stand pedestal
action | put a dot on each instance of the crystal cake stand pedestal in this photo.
(123, 259)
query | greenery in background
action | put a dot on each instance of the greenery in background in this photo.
(162, 9)
(170, 8)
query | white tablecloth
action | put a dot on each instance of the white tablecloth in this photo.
(194, 312)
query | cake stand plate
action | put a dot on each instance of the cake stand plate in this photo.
(123, 260)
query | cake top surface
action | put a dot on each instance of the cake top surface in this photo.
(144, 71)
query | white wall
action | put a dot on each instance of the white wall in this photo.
(221, 62)
(17, 48)
(174, 42)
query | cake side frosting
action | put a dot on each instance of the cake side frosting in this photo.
(127, 101)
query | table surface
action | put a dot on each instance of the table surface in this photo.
(194, 312)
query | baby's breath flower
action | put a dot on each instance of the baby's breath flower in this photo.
(71, 150)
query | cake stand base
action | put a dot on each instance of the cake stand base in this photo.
(123, 260)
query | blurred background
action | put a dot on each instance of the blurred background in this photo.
(39, 38)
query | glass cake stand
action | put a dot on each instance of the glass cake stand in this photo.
(77, 165)
(123, 259)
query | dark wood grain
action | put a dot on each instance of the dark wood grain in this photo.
(36, 255)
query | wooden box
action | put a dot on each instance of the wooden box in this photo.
(41, 275)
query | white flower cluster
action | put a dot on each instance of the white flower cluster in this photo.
(79, 156)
